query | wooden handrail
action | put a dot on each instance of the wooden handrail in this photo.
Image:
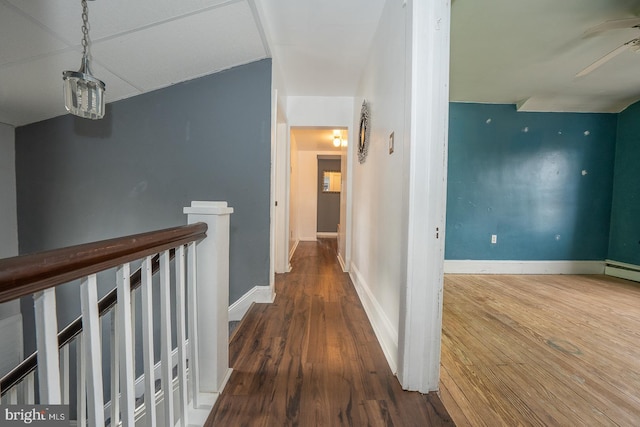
(65, 336)
(26, 274)
(39, 271)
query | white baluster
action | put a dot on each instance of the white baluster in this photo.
(64, 373)
(92, 348)
(115, 368)
(81, 397)
(165, 337)
(133, 332)
(147, 343)
(194, 377)
(47, 343)
(181, 333)
(29, 389)
(123, 310)
(12, 396)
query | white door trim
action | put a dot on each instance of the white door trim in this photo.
(420, 329)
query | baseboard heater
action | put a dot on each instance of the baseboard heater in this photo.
(622, 270)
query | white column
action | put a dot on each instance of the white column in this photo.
(213, 293)
(420, 328)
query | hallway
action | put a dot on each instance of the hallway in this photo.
(311, 358)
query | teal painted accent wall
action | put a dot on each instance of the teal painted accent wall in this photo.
(541, 181)
(624, 243)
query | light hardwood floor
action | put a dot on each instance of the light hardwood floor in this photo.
(541, 350)
(312, 359)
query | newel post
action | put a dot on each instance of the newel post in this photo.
(212, 288)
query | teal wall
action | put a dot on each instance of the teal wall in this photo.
(624, 243)
(541, 181)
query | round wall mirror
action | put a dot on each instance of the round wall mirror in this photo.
(363, 136)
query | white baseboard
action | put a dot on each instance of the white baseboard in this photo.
(259, 294)
(292, 249)
(523, 267)
(385, 332)
(622, 270)
(198, 416)
(326, 234)
(343, 266)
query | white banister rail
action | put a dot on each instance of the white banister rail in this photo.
(193, 325)
(165, 339)
(192, 371)
(123, 352)
(92, 348)
(181, 316)
(46, 334)
(147, 341)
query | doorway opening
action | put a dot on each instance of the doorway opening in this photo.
(328, 200)
(312, 212)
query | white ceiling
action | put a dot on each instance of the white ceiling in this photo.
(143, 45)
(318, 139)
(502, 51)
(321, 45)
(518, 51)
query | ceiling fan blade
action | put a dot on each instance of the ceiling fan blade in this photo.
(600, 62)
(613, 25)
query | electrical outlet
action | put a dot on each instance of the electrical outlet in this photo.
(494, 239)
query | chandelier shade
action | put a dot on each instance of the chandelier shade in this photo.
(84, 93)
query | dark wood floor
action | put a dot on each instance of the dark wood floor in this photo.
(541, 351)
(311, 358)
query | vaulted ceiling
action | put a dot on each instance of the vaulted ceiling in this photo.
(502, 51)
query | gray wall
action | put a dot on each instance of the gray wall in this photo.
(8, 219)
(328, 203)
(207, 139)
(11, 330)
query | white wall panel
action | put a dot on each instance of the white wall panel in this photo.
(378, 250)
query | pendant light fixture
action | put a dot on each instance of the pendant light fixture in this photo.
(83, 93)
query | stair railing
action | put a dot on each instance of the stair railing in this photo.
(200, 254)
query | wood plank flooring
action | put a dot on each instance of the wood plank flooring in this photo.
(311, 358)
(541, 351)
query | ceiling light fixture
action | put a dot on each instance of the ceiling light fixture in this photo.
(83, 93)
(337, 141)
